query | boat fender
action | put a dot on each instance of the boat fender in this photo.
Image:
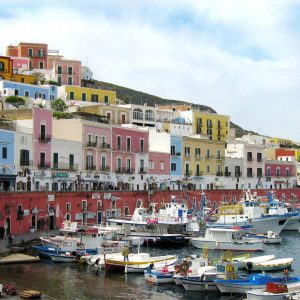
(229, 269)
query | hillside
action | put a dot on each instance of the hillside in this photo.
(136, 97)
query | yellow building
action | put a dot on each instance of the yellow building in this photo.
(215, 127)
(202, 156)
(90, 95)
(115, 114)
(282, 142)
(7, 73)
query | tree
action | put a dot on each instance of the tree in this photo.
(15, 101)
(58, 105)
(39, 78)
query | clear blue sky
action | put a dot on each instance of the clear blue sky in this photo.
(240, 57)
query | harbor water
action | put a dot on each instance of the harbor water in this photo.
(76, 281)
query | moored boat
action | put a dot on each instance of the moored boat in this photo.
(63, 258)
(273, 265)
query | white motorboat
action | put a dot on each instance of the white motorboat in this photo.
(249, 212)
(258, 259)
(226, 239)
(269, 238)
(63, 258)
(288, 292)
(272, 265)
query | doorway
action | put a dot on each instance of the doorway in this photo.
(7, 226)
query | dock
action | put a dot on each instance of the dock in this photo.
(18, 258)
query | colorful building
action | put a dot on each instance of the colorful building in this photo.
(87, 94)
(202, 156)
(216, 127)
(176, 156)
(35, 52)
(7, 72)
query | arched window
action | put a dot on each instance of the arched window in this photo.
(149, 115)
(139, 203)
(137, 114)
(126, 211)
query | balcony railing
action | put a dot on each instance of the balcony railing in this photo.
(90, 167)
(91, 144)
(104, 169)
(104, 146)
(197, 174)
(227, 174)
(187, 173)
(219, 174)
(143, 170)
(64, 166)
(26, 163)
(44, 165)
(45, 138)
(67, 73)
(238, 174)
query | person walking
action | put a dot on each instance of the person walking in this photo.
(125, 253)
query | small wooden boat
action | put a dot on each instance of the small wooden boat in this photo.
(274, 292)
(63, 258)
(254, 260)
(257, 281)
(30, 294)
(158, 276)
(273, 265)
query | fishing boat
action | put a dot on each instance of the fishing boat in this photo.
(217, 238)
(274, 291)
(269, 238)
(273, 265)
(249, 212)
(257, 281)
(137, 261)
(164, 227)
(63, 258)
(248, 262)
(158, 276)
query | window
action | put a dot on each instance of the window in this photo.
(41, 65)
(94, 98)
(119, 141)
(70, 81)
(208, 169)
(55, 160)
(70, 71)
(207, 153)
(119, 164)
(42, 159)
(199, 125)
(173, 150)
(149, 115)
(197, 170)
(30, 65)
(128, 165)
(83, 97)
(30, 52)
(142, 145)
(59, 70)
(72, 97)
(59, 79)
(24, 157)
(197, 152)
(249, 156)
(209, 123)
(43, 131)
(287, 172)
(219, 125)
(71, 161)
(142, 165)
(108, 115)
(187, 152)
(89, 162)
(187, 169)
(68, 206)
(173, 167)
(218, 154)
(106, 100)
(1, 66)
(151, 164)
(162, 165)
(4, 152)
(268, 171)
(259, 172)
(137, 114)
(103, 163)
(16, 92)
(249, 172)
(26, 94)
(128, 144)
(259, 157)
(278, 171)
(41, 53)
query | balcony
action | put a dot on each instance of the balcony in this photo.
(104, 146)
(187, 173)
(26, 164)
(91, 144)
(44, 138)
(219, 173)
(67, 73)
(227, 174)
(143, 170)
(198, 174)
(188, 155)
(104, 169)
(238, 174)
(64, 166)
(90, 167)
(44, 165)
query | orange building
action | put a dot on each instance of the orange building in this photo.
(36, 52)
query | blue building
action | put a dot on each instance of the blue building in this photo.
(176, 155)
(7, 162)
(46, 92)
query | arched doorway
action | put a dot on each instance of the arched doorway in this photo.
(7, 226)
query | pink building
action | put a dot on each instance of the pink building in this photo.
(97, 147)
(159, 163)
(42, 134)
(130, 150)
(280, 169)
(20, 63)
(65, 71)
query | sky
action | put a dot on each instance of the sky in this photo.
(240, 57)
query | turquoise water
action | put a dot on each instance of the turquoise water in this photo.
(75, 281)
